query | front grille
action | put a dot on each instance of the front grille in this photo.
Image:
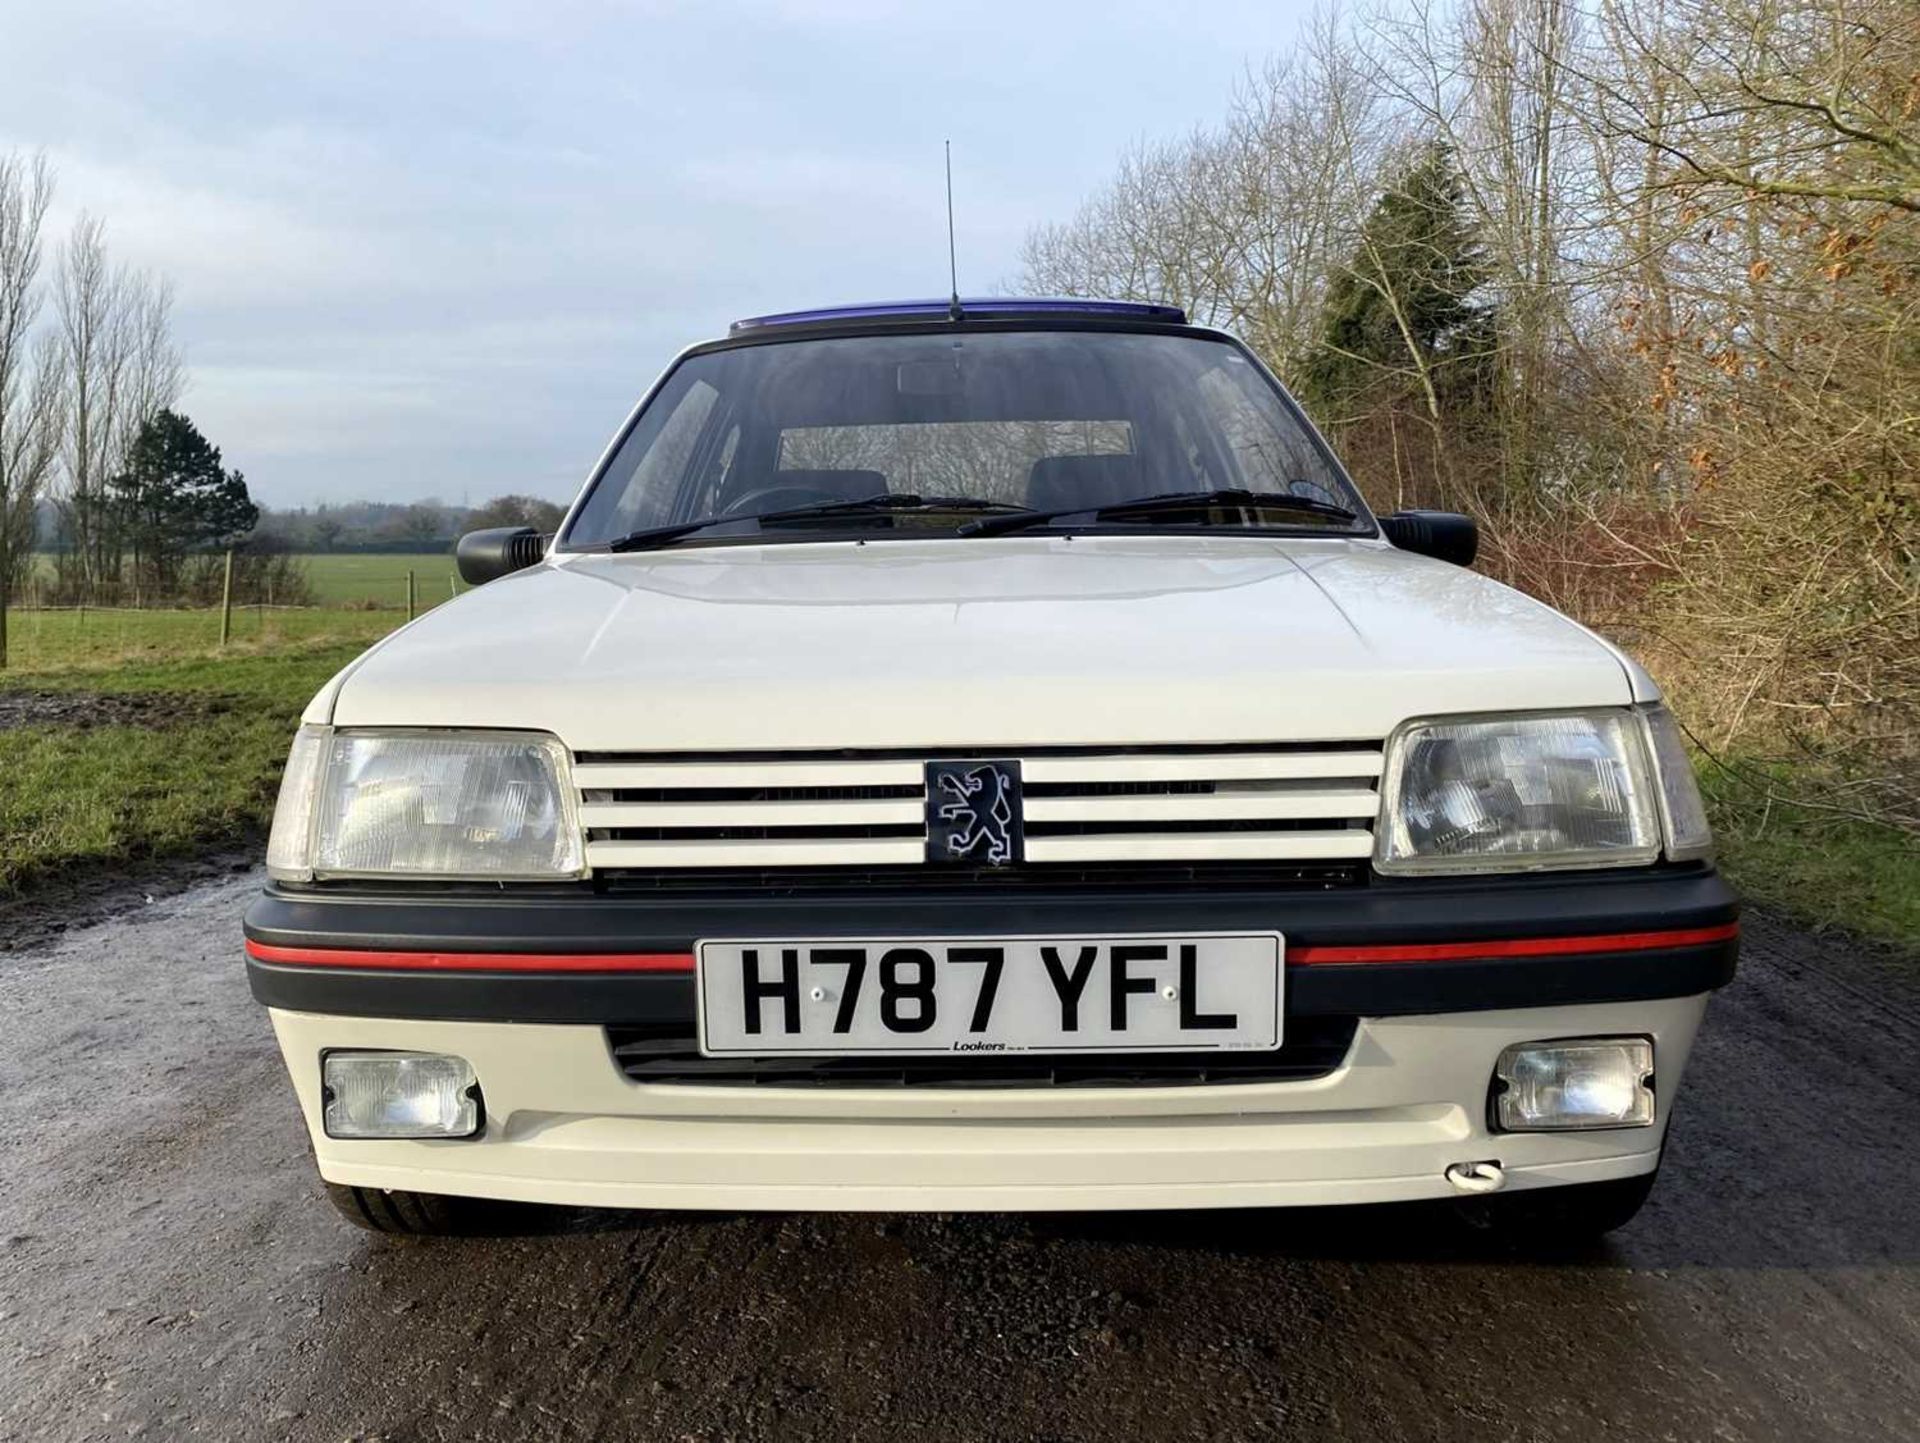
(669, 1054)
(1303, 803)
(914, 880)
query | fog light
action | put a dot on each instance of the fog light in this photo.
(399, 1094)
(1578, 1083)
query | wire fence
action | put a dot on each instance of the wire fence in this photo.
(366, 580)
(345, 598)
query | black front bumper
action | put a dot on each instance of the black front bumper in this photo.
(1570, 906)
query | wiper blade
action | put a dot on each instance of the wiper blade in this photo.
(1166, 501)
(892, 501)
(652, 536)
(887, 501)
(1234, 496)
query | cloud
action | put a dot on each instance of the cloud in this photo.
(440, 247)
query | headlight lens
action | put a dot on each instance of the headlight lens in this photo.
(492, 805)
(1519, 793)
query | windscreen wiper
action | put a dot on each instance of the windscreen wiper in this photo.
(886, 501)
(1167, 501)
(893, 501)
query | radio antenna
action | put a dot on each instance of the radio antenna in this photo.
(953, 266)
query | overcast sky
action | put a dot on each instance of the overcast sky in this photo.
(439, 248)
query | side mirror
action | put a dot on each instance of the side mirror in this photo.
(1443, 535)
(484, 556)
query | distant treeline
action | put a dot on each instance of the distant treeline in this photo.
(365, 528)
(381, 527)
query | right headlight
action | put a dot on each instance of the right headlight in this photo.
(1533, 792)
(473, 805)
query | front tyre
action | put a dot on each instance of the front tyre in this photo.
(1557, 1217)
(434, 1215)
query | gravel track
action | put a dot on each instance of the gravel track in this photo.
(168, 1268)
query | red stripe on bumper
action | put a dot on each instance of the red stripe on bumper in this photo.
(1515, 947)
(1305, 956)
(474, 961)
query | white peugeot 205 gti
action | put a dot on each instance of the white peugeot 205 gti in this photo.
(986, 755)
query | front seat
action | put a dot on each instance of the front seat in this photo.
(1056, 482)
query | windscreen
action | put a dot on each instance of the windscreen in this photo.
(1043, 419)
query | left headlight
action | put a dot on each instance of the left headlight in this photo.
(1519, 793)
(495, 806)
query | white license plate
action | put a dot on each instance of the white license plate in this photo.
(1173, 992)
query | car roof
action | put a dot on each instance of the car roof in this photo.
(867, 315)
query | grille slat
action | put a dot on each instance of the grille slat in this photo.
(1222, 766)
(669, 1055)
(1200, 846)
(910, 811)
(763, 852)
(1216, 806)
(755, 775)
(1170, 805)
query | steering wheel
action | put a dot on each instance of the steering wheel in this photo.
(779, 498)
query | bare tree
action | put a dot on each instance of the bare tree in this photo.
(1239, 225)
(1779, 176)
(92, 361)
(119, 369)
(155, 370)
(1701, 231)
(29, 393)
(1313, 144)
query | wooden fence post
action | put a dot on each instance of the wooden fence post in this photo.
(226, 601)
(409, 593)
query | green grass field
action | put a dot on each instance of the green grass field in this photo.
(114, 793)
(76, 795)
(358, 598)
(73, 796)
(104, 639)
(341, 580)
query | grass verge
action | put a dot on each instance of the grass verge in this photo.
(73, 795)
(1817, 866)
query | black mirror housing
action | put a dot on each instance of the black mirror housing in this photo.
(1443, 535)
(484, 556)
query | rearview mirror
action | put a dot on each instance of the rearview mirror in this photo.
(1443, 535)
(484, 556)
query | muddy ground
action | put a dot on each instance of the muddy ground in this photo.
(86, 893)
(90, 709)
(168, 1268)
